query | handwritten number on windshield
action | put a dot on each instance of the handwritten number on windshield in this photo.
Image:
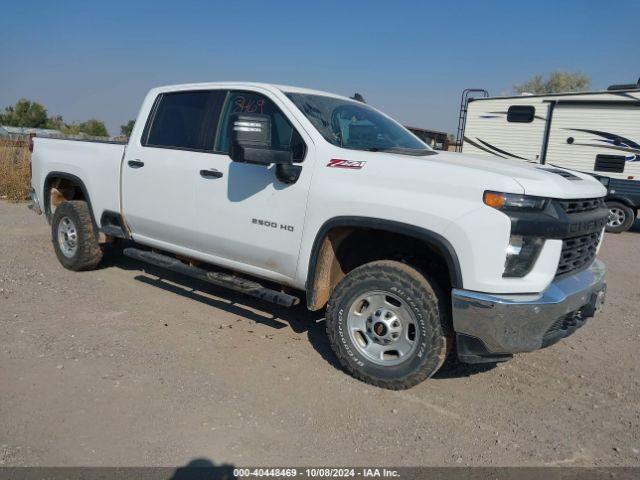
(244, 105)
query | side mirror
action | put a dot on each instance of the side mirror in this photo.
(251, 141)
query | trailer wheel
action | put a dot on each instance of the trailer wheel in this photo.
(74, 239)
(388, 325)
(621, 217)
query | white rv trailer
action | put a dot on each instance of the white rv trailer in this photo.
(592, 132)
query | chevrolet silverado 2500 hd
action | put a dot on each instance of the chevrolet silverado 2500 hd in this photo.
(286, 193)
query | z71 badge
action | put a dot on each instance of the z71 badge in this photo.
(354, 165)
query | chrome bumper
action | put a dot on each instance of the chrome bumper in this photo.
(492, 327)
(35, 204)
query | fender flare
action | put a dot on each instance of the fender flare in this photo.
(623, 191)
(66, 176)
(435, 240)
(628, 200)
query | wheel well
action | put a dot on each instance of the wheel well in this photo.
(59, 188)
(624, 201)
(343, 249)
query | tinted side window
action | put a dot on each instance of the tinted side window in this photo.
(521, 114)
(283, 135)
(185, 120)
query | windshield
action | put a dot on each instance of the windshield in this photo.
(354, 125)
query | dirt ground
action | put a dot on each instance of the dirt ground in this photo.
(125, 366)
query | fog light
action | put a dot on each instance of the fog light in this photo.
(522, 253)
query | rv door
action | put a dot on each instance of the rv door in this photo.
(599, 137)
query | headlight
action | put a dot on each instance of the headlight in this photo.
(513, 201)
(522, 253)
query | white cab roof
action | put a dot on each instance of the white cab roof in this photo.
(268, 86)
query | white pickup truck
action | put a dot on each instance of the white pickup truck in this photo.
(285, 193)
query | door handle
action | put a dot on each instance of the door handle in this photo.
(135, 163)
(212, 173)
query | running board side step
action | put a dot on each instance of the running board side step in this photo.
(219, 279)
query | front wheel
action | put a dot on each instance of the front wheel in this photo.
(388, 325)
(621, 217)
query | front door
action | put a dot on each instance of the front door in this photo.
(247, 216)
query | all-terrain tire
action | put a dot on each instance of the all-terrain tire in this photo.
(419, 295)
(621, 217)
(78, 225)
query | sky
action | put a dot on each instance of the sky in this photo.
(85, 59)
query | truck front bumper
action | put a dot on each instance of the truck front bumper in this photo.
(491, 328)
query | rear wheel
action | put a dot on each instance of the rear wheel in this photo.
(621, 217)
(387, 324)
(74, 239)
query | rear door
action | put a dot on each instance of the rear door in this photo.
(161, 171)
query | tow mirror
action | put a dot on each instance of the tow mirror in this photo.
(251, 141)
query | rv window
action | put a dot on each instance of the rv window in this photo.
(609, 163)
(521, 114)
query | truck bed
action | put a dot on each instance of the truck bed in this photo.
(95, 163)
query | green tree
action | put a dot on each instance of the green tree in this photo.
(28, 114)
(127, 128)
(56, 123)
(25, 113)
(557, 82)
(93, 127)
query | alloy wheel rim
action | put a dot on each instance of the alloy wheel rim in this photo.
(616, 217)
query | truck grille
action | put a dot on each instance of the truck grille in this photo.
(581, 205)
(578, 252)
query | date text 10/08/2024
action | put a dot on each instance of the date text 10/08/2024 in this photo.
(316, 472)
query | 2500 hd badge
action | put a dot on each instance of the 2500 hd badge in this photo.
(267, 223)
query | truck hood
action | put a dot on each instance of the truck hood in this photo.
(535, 179)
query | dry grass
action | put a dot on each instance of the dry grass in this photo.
(14, 169)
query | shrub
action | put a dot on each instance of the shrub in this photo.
(14, 169)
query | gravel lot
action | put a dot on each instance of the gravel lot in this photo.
(125, 366)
